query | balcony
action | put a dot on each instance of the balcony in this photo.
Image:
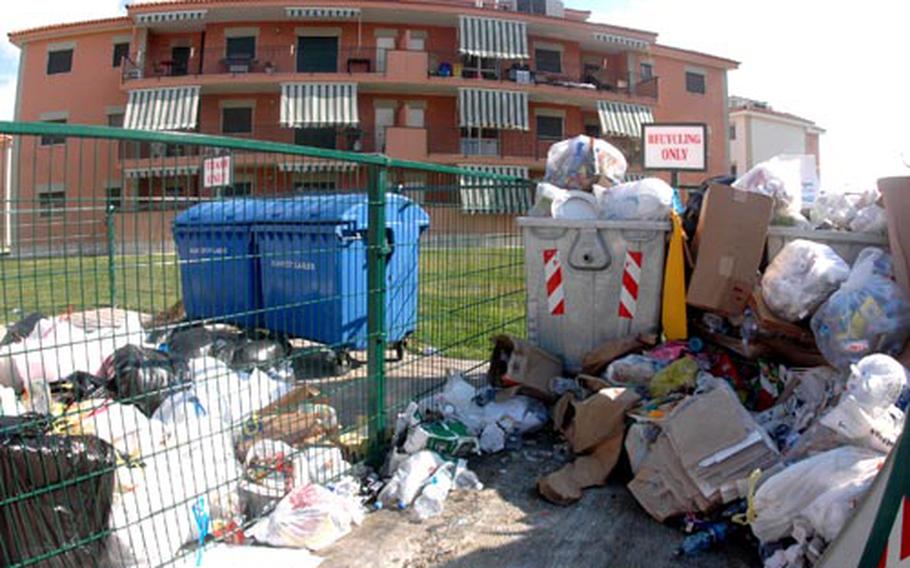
(266, 60)
(503, 144)
(595, 79)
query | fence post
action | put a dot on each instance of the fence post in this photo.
(377, 249)
(111, 252)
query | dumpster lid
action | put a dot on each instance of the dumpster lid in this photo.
(342, 209)
(221, 212)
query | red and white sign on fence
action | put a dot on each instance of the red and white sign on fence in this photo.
(217, 172)
(556, 296)
(631, 276)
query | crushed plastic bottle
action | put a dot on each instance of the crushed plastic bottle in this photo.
(465, 478)
(711, 535)
(432, 499)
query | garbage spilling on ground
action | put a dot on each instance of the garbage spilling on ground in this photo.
(766, 410)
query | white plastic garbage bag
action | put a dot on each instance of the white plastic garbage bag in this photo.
(650, 199)
(870, 219)
(408, 479)
(311, 516)
(780, 178)
(123, 426)
(784, 497)
(866, 415)
(580, 162)
(838, 209)
(231, 396)
(801, 277)
(870, 313)
(9, 402)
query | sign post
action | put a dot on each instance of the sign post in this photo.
(675, 147)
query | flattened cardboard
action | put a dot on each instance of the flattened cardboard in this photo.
(564, 487)
(896, 194)
(730, 240)
(588, 422)
(596, 361)
(516, 362)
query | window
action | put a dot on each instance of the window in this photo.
(592, 130)
(239, 189)
(115, 120)
(316, 137)
(474, 67)
(549, 127)
(241, 48)
(479, 141)
(646, 70)
(548, 60)
(60, 61)
(52, 139)
(52, 202)
(416, 117)
(733, 170)
(237, 120)
(695, 82)
(417, 41)
(114, 196)
(121, 52)
(303, 186)
(317, 54)
(732, 132)
(532, 6)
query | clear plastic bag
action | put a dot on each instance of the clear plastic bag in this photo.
(781, 179)
(870, 219)
(834, 210)
(801, 277)
(636, 370)
(650, 199)
(581, 162)
(868, 314)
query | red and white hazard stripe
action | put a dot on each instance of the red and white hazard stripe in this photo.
(897, 551)
(556, 296)
(631, 276)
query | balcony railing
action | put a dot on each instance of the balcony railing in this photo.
(264, 60)
(493, 144)
(452, 64)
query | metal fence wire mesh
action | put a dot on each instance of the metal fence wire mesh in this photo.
(177, 356)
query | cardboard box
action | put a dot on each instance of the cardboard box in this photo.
(896, 194)
(515, 362)
(586, 423)
(596, 361)
(730, 244)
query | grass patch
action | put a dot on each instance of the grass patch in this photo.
(467, 294)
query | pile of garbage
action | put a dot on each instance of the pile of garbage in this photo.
(208, 432)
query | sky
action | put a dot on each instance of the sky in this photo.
(842, 65)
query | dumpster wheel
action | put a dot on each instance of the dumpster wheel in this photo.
(343, 362)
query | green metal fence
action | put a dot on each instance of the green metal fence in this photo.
(173, 388)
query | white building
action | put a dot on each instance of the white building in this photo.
(758, 132)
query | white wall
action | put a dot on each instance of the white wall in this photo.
(771, 137)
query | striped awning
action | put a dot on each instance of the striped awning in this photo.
(634, 176)
(623, 119)
(311, 13)
(161, 171)
(492, 37)
(317, 166)
(622, 41)
(482, 195)
(493, 108)
(319, 104)
(170, 17)
(169, 108)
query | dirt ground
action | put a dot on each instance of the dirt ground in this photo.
(507, 525)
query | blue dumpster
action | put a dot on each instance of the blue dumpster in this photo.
(313, 262)
(219, 270)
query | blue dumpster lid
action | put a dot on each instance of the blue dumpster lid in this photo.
(348, 209)
(231, 211)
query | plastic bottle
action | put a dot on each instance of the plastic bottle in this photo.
(703, 540)
(465, 478)
(432, 499)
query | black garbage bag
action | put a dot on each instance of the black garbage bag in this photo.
(146, 377)
(194, 342)
(319, 362)
(57, 493)
(260, 353)
(21, 329)
(80, 386)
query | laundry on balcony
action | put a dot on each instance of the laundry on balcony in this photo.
(493, 108)
(170, 108)
(623, 119)
(492, 37)
(319, 104)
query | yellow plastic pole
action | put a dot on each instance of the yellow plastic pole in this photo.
(674, 296)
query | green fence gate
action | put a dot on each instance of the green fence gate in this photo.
(150, 382)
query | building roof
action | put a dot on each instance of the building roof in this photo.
(17, 37)
(723, 61)
(743, 105)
